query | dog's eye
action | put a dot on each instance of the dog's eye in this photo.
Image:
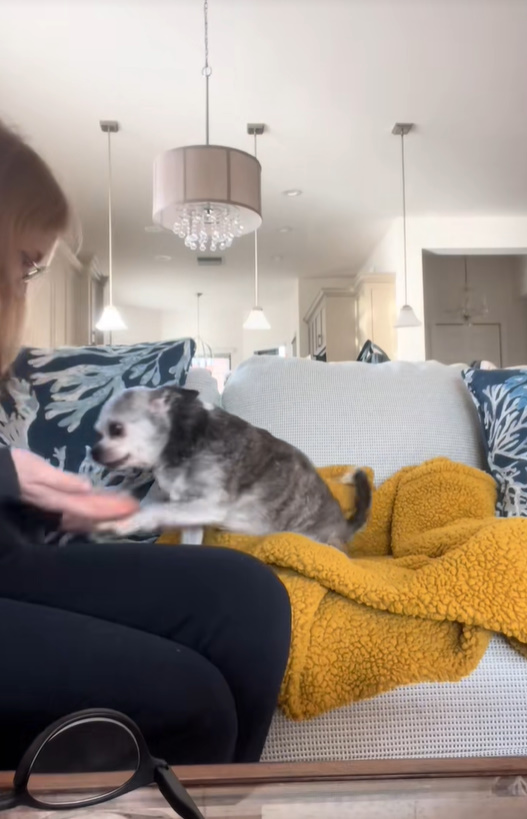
(115, 430)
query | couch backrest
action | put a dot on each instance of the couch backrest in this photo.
(382, 415)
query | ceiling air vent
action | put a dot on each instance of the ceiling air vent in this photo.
(210, 261)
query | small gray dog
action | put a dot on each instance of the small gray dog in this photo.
(214, 469)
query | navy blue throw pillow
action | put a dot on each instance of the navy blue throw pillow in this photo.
(500, 397)
(52, 400)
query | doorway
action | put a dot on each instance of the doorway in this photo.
(475, 308)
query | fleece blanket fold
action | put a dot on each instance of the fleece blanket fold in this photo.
(426, 583)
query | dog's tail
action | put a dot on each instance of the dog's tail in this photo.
(358, 519)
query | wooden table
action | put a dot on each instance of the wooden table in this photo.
(396, 789)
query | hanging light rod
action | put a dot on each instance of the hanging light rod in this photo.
(110, 319)
(255, 128)
(206, 349)
(256, 320)
(402, 128)
(406, 317)
(109, 126)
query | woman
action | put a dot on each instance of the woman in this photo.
(190, 642)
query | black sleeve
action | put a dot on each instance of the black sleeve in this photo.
(9, 488)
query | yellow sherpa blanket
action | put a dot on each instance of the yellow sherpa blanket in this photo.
(432, 575)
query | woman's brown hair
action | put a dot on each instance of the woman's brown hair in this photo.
(30, 199)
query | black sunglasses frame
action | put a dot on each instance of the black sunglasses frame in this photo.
(150, 771)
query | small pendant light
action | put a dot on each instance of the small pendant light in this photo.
(256, 320)
(110, 319)
(406, 317)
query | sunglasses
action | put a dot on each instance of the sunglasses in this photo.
(93, 742)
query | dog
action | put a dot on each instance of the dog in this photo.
(215, 469)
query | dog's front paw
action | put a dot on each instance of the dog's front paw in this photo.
(119, 528)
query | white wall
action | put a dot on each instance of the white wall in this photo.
(142, 324)
(223, 313)
(486, 235)
(495, 280)
(224, 307)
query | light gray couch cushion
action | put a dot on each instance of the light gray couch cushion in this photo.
(381, 415)
(483, 715)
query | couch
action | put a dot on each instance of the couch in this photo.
(386, 416)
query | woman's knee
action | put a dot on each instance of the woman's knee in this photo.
(191, 718)
(268, 592)
(252, 589)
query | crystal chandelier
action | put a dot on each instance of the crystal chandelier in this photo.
(208, 195)
(468, 312)
(207, 228)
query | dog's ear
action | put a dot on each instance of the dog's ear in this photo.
(164, 398)
(160, 400)
(189, 420)
(188, 395)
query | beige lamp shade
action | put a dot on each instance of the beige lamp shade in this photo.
(207, 194)
(407, 317)
(110, 320)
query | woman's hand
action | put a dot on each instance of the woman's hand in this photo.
(48, 488)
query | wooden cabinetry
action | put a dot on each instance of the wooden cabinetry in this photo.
(340, 320)
(60, 304)
(376, 312)
(332, 326)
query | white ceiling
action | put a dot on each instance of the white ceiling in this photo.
(328, 77)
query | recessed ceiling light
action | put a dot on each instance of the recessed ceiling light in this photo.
(293, 192)
(162, 258)
(285, 229)
(153, 229)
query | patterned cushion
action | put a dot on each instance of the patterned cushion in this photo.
(500, 397)
(53, 399)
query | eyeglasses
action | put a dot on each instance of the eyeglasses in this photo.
(93, 743)
(33, 270)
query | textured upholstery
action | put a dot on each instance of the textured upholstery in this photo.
(483, 715)
(381, 415)
(387, 416)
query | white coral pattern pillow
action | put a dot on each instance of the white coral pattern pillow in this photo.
(500, 397)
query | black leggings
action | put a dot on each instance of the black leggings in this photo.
(191, 642)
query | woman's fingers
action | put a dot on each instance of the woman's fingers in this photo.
(49, 488)
(95, 507)
(64, 481)
(34, 473)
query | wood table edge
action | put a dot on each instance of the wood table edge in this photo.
(271, 773)
(281, 772)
